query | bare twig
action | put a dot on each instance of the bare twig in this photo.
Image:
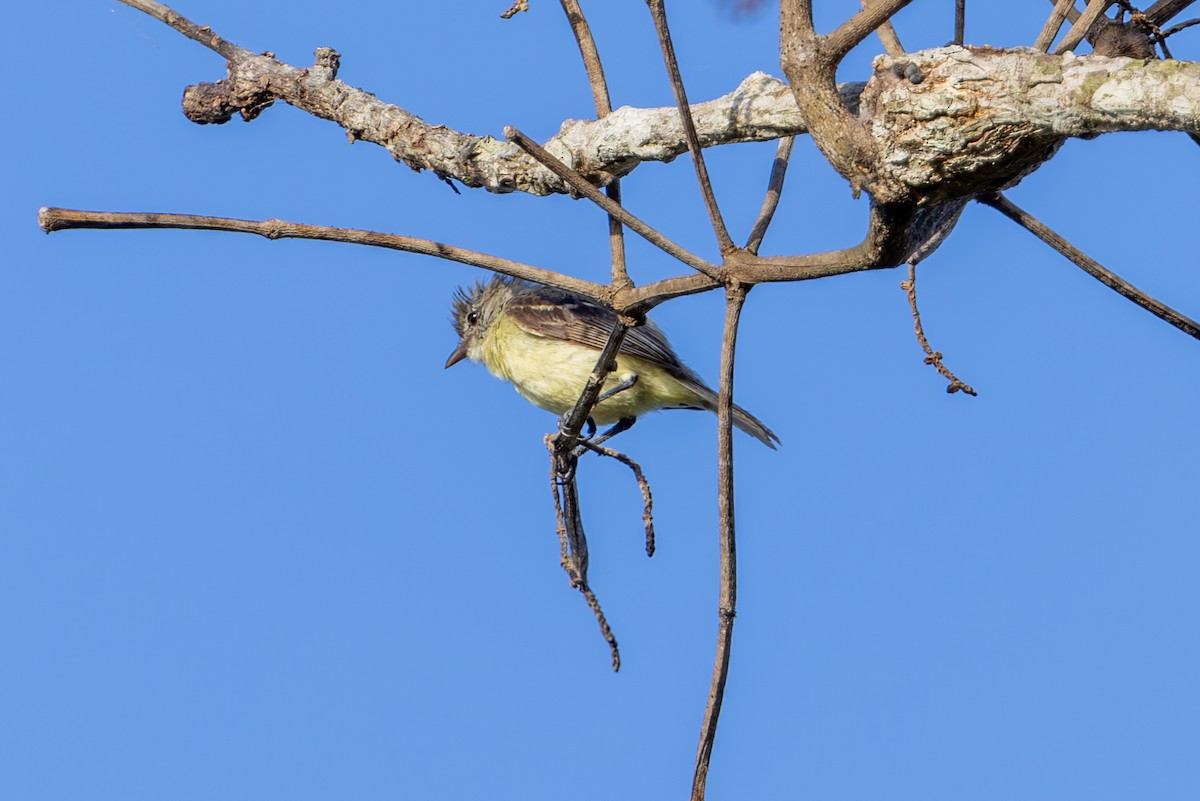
(658, 11)
(931, 356)
(573, 543)
(860, 26)
(594, 604)
(1090, 266)
(55, 219)
(517, 7)
(198, 33)
(1174, 29)
(599, 85)
(735, 298)
(581, 185)
(643, 485)
(1053, 24)
(573, 548)
(642, 298)
(783, 155)
(590, 55)
(1082, 25)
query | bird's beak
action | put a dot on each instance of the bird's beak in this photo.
(458, 355)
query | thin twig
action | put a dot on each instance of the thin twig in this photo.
(1053, 24)
(573, 552)
(569, 527)
(643, 485)
(55, 219)
(931, 356)
(590, 55)
(1174, 29)
(198, 33)
(735, 298)
(514, 9)
(1090, 266)
(859, 27)
(1082, 25)
(560, 528)
(581, 185)
(658, 11)
(600, 97)
(783, 155)
(594, 604)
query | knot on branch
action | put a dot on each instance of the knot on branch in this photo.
(216, 103)
(327, 63)
(949, 122)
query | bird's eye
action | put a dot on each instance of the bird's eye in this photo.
(472, 317)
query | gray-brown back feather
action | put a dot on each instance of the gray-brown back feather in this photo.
(554, 313)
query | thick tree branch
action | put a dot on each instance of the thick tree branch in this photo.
(810, 69)
(887, 36)
(1164, 11)
(995, 102)
(860, 26)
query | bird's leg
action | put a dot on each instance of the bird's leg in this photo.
(625, 384)
(589, 426)
(624, 424)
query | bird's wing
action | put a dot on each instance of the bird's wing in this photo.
(551, 313)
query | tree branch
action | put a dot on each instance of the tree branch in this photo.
(1090, 266)
(1053, 24)
(54, 219)
(658, 11)
(783, 155)
(735, 297)
(1083, 25)
(851, 32)
(595, 73)
(761, 108)
(197, 33)
(581, 185)
(1164, 11)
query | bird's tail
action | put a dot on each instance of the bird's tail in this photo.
(741, 418)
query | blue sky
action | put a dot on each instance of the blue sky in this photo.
(255, 543)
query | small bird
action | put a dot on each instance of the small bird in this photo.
(546, 342)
